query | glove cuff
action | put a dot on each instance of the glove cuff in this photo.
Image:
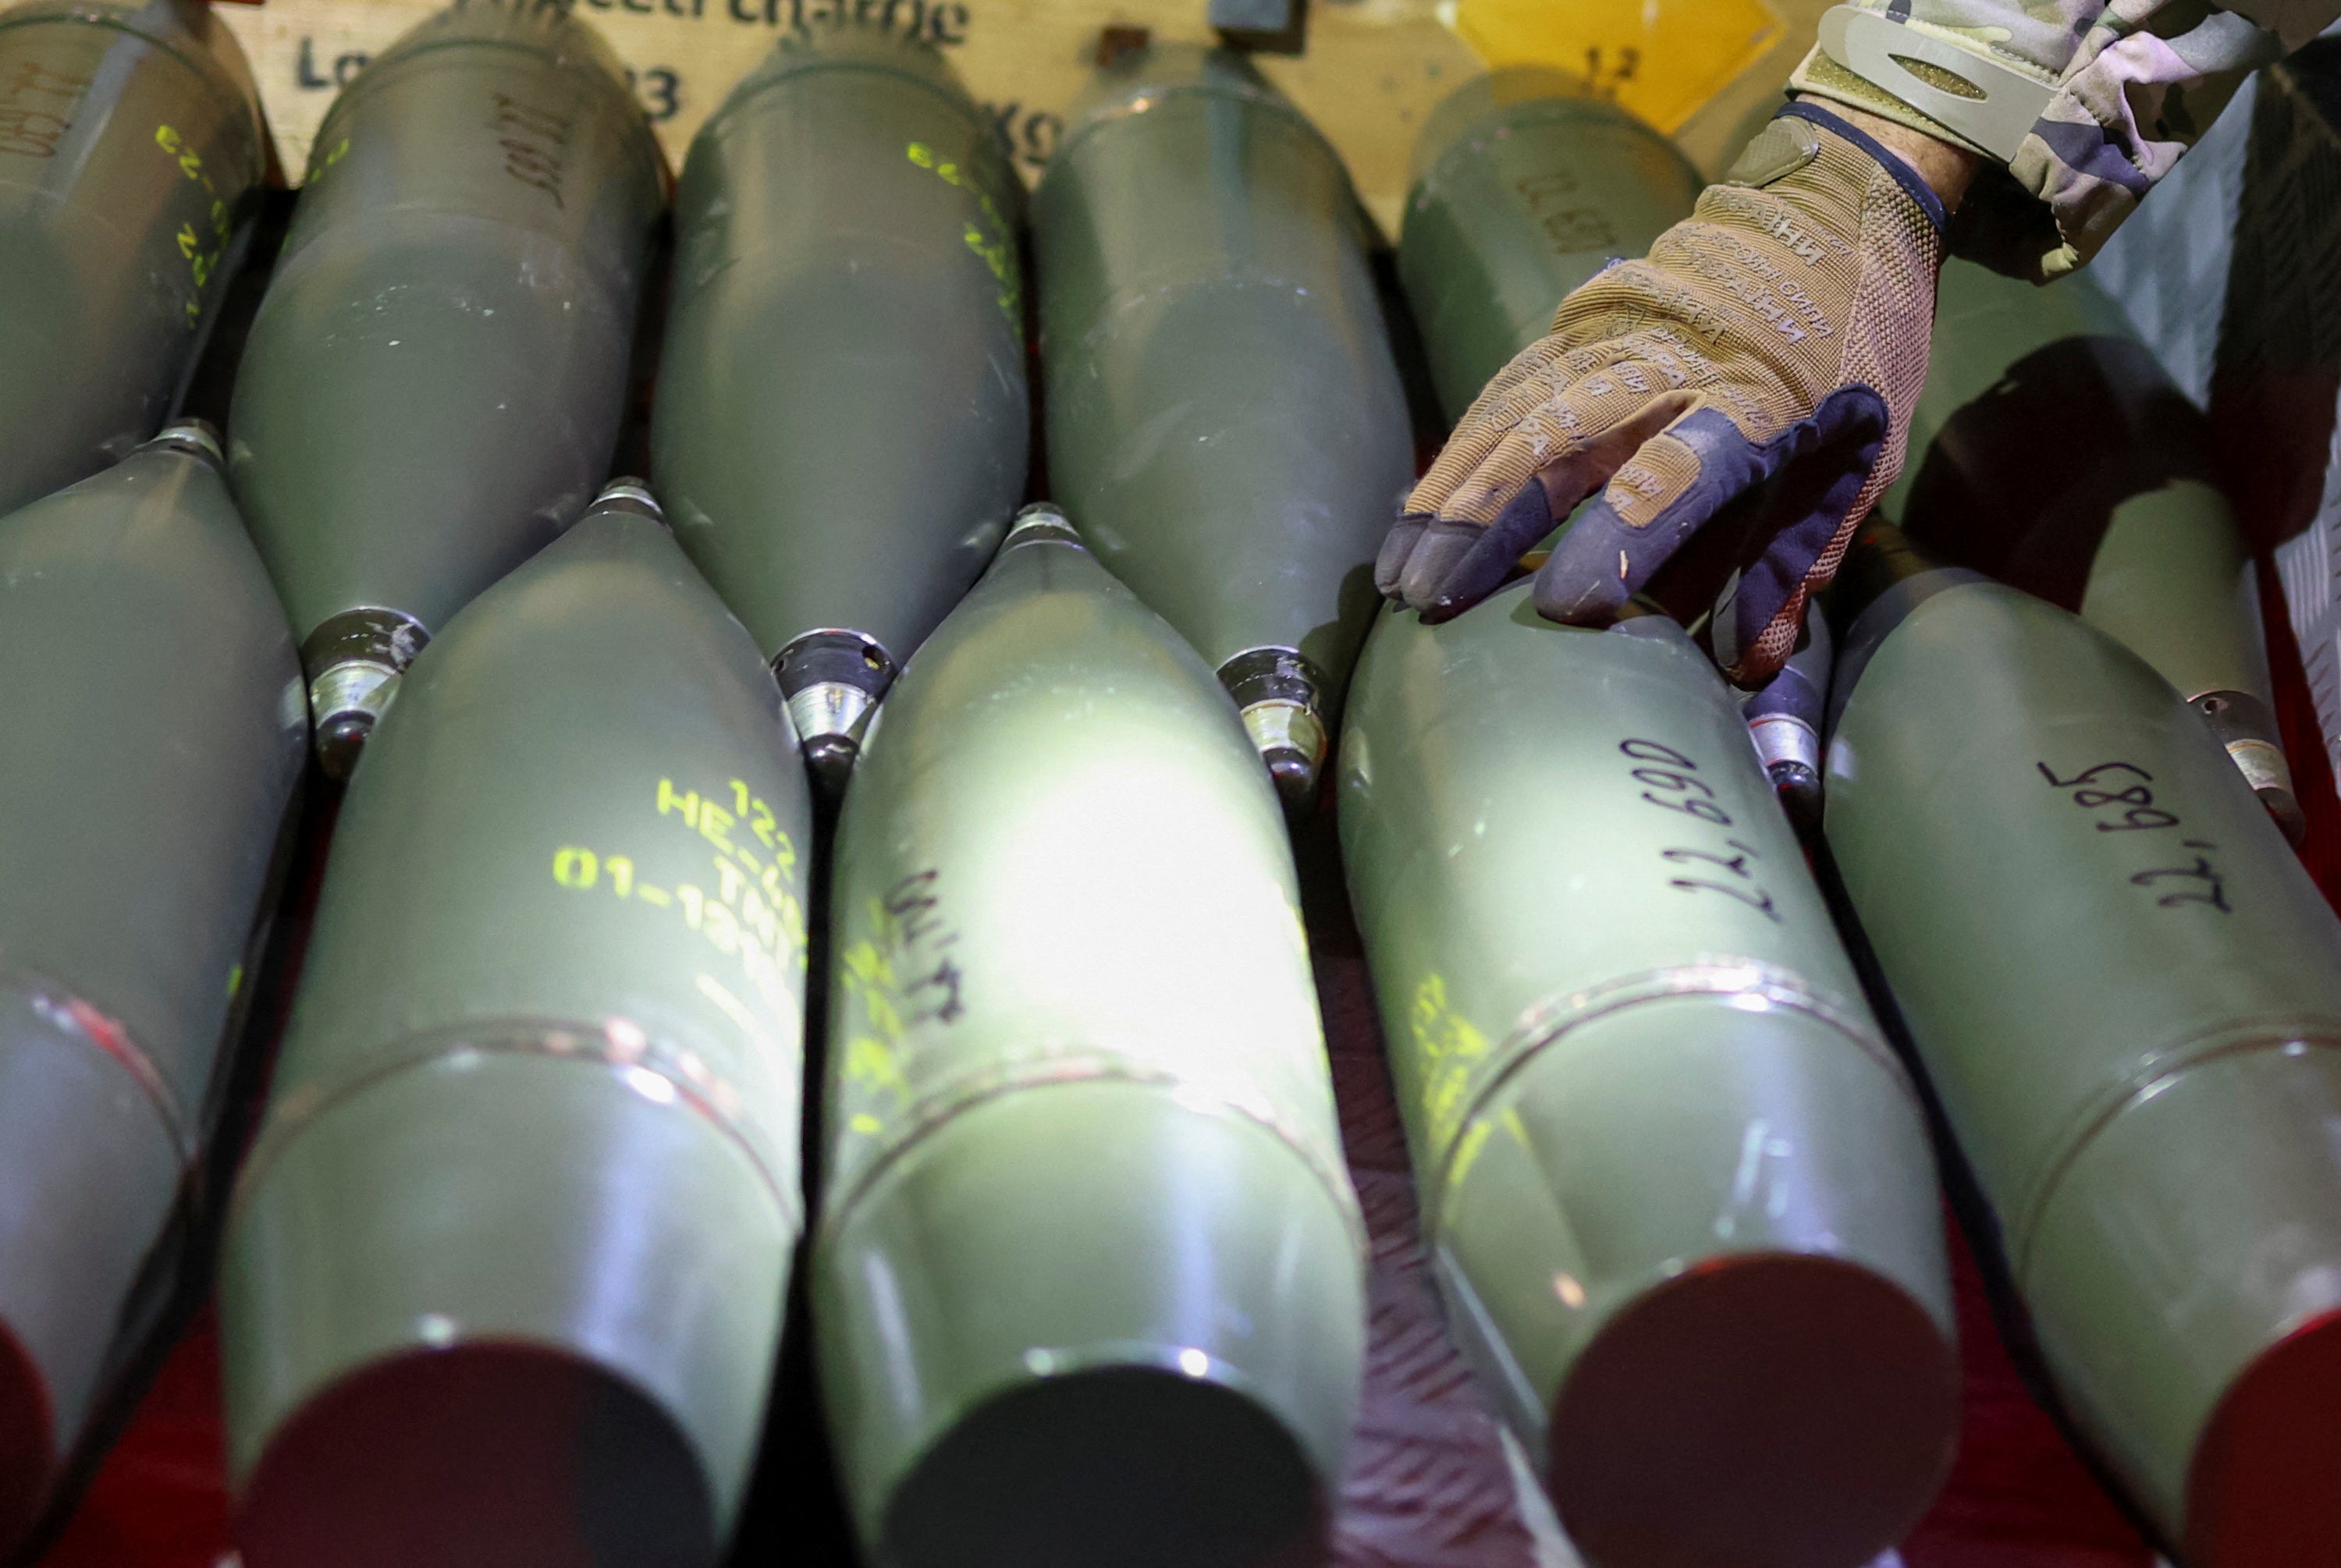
(1986, 99)
(1913, 184)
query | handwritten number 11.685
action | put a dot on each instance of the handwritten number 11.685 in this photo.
(2126, 790)
(2100, 788)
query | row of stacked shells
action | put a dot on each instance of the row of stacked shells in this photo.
(507, 1262)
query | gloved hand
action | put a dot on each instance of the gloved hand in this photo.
(1777, 338)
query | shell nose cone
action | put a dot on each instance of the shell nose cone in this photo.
(1799, 788)
(2285, 807)
(339, 740)
(829, 758)
(2258, 757)
(355, 662)
(1295, 775)
(1791, 749)
(346, 702)
(831, 717)
(1291, 741)
(196, 437)
(832, 682)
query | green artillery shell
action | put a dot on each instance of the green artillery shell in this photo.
(506, 1263)
(843, 422)
(433, 386)
(2127, 994)
(151, 702)
(1524, 187)
(1089, 1284)
(1678, 1191)
(2138, 538)
(130, 140)
(1224, 414)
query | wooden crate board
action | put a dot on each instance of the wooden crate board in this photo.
(1370, 75)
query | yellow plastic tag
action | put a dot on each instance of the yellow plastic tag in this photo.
(1662, 59)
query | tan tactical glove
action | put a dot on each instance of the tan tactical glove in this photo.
(1773, 343)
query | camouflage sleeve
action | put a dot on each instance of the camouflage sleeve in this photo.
(2085, 103)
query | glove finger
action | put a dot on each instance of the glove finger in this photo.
(1647, 377)
(1652, 505)
(1523, 383)
(1458, 564)
(1575, 442)
(1397, 546)
(1557, 456)
(1827, 488)
(1474, 449)
(1529, 363)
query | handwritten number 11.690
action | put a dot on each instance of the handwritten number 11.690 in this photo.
(1754, 896)
(1671, 783)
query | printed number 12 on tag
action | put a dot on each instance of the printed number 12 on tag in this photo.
(1661, 59)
